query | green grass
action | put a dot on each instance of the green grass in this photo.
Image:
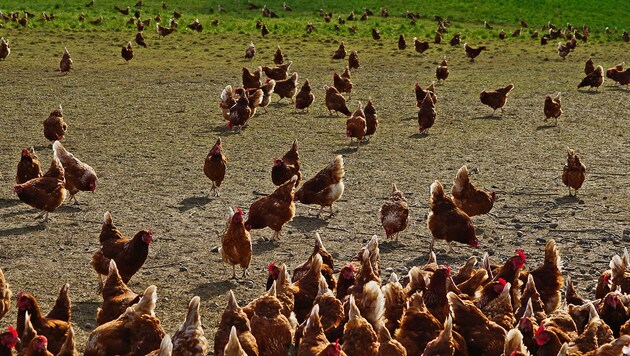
(467, 16)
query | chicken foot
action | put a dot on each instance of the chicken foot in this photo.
(43, 213)
(214, 190)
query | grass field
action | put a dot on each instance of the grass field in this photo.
(146, 127)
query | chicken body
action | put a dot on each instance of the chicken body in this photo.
(589, 67)
(117, 297)
(250, 51)
(483, 337)
(79, 175)
(426, 114)
(342, 84)
(340, 53)
(371, 118)
(274, 210)
(236, 245)
(287, 167)
(278, 57)
(127, 52)
(472, 200)
(66, 62)
(29, 167)
(472, 53)
(441, 72)
(140, 40)
(5, 48)
(215, 166)
(446, 221)
(594, 80)
(402, 44)
(129, 255)
(325, 188)
(46, 193)
(394, 213)
(54, 126)
(5, 296)
(573, 172)
(335, 101)
(420, 46)
(356, 126)
(271, 329)
(622, 77)
(189, 338)
(496, 99)
(279, 72)
(304, 97)
(287, 88)
(234, 317)
(252, 80)
(359, 336)
(136, 332)
(553, 107)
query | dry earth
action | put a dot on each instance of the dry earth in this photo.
(147, 126)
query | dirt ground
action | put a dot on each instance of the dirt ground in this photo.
(147, 126)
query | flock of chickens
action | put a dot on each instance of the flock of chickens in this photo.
(490, 309)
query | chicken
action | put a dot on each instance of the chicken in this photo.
(353, 60)
(342, 84)
(589, 67)
(335, 101)
(356, 126)
(5, 48)
(482, 335)
(215, 165)
(496, 98)
(595, 79)
(514, 344)
(264, 31)
(358, 335)
(236, 245)
(274, 210)
(325, 188)
(570, 294)
(127, 52)
(472, 200)
(54, 126)
(195, 26)
(53, 326)
(271, 329)
(279, 72)
(620, 274)
(402, 44)
(189, 338)
(563, 50)
(140, 40)
(136, 331)
(417, 327)
(530, 299)
(340, 53)
(278, 57)
(287, 88)
(472, 53)
(164, 31)
(314, 340)
(244, 109)
(371, 119)
(267, 90)
(79, 176)
(307, 289)
(547, 341)
(443, 344)
(38, 347)
(252, 80)
(448, 222)
(250, 51)
(616, 347)
(129, 255)
(117, 297)
(234, 316)
(387, 345)
(434, 297)
(456, 40)
(394, 213)
(46, 193)
(327, 267)
(510, 272)
(441, 72)
(500, 310)
(69, 346)
(332, 313)
(419, 45)
(426, 115)
(304, 97)
(573, 172)
(553, 107)
(227, 101)
(622, 77)
(29, 167)
(8, 340)
(233, 346)
(422, 93)
(287, 167)
(66, 62)
(5, 296)
(345, 281)
(548, 277)
(613, 312)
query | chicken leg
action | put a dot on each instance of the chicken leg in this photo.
(43, 213)
(233, 272)
(214, 190)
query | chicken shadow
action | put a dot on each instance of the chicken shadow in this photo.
(590, 92)
(346, 150)
(7, 203)
(488, 117)
(192, 202)
(568, 200)
(83, 315)
(70, 208)
(210, 290)
(411, 118)
(419, 135)
(545, 127)
(264, 246)
(308, 223)
(23, 230)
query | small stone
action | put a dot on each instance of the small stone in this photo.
(261, 239)
(491, 252)
(479, 231)
(583, 242)
(147, 273)
(89, 326)
(250, 284)
(515, 220)
(553, 225)
(519, 233)
(518, 226)
(540, 240)
(335, 255)
(604, 239)
(215, 304)
(214, 249)
(389, 270)
(626, 231)
(183, 269)
(625, 238)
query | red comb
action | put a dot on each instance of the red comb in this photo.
(12, 330)
(271, 266)
(502, 281)
(21, 294)
(541, 328)
(239, 211)
(350, 265)
(522, 255)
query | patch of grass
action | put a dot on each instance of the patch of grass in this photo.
(467, 16)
